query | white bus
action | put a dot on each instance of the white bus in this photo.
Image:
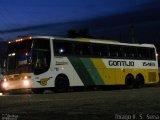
(45, 62)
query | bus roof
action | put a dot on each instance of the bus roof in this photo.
(102, 41)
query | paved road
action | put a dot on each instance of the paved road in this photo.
(91, 105)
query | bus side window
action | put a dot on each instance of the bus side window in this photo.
(115, 51)
(99, 50)
(120, 51)
(143, 52)
(82, 49)
(152, 54)
(111, 51)
(129, 52)
(62, 48)
(139, 52)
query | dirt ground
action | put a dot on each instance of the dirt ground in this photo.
(123, 104)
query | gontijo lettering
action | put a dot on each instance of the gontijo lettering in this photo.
(120, 63)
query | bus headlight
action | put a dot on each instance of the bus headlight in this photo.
(5, 85)
(26, 83)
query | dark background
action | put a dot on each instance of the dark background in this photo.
(131, 21)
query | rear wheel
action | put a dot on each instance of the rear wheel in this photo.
(139, 82)
(129, 81)
(61, 84)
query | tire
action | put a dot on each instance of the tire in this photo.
(139, 82)
(38, 91)
(61, 84)
(129, 82)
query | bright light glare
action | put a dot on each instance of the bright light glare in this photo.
(5, 80)
(5, 85)
(26, 83)
(13, 54)
(1, 94)
(25, 77)
(61, 50)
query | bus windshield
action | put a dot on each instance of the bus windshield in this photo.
(32, 55)
(19, 56)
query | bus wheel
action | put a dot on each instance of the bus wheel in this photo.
(61, 84)
(37, 90)
(129, 81)
(139, 82)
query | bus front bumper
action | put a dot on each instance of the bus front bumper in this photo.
(20, 84)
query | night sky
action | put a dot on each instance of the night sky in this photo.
(105, 19)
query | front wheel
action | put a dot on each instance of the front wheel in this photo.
(61, 84)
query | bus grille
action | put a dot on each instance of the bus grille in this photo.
(152, 76)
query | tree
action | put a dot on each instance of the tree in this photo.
(79, 33)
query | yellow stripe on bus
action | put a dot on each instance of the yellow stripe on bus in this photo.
(96, 40)
(110, 76)
(100, 66)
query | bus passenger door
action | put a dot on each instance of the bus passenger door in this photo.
(41, 69)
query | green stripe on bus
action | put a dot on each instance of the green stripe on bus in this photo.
(81, 71)
(92, 71)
